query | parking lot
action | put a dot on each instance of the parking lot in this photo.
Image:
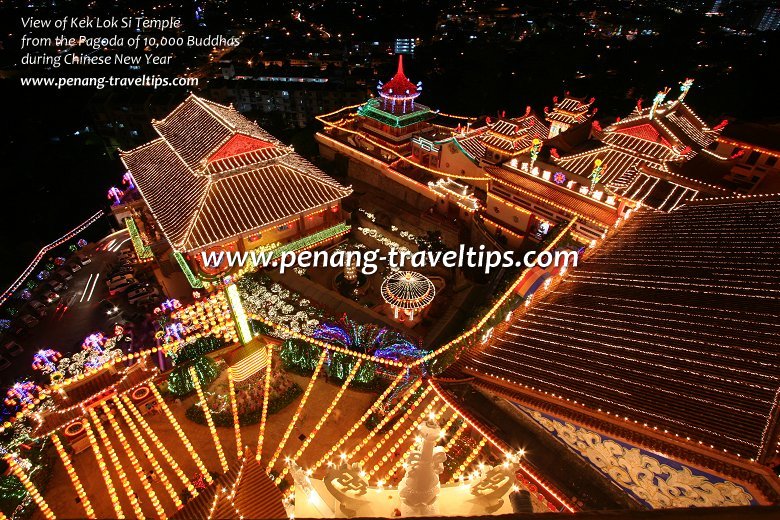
(84, 305)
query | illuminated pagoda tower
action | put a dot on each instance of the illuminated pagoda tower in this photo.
(568, 112)
(216, 182)
(658, 155)
(394, 117)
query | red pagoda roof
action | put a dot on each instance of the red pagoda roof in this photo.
(399, 86)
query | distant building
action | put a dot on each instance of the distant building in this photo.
(769, 20)
(404, 45)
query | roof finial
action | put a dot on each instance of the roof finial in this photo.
(400, 71)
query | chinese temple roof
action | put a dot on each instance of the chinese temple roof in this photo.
(642, 155)
(213, 175)
(570, 110)
(683, 343)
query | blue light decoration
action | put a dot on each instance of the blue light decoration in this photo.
(81, 243)
(559, 178)
(43, 275)
(22, 394)
(128, 180)
(369, 339)
(45, 359)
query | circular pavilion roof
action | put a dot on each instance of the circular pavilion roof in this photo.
(399, 87)
(408, 290)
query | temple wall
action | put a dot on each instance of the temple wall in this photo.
(656, 481)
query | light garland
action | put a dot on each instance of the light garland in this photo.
(112, 494)
(182, 436)
(45, 249)
(322, 420)
(134, 463)
(19, 473)
(104, 439)
(374, 450)
(387, 418)
(151, 457)
(363, 418)
(298, 411)
(209, 420)
(234, 408)
(498, 444)
(469, 459)
(266, 390)
(74, 478)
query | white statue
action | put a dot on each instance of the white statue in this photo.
(493, 485)
(420, 486)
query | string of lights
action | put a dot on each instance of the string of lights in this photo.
(209, 420)
(116, 464)
(322, 420)
(42, 253)
(234, 409)
(19, 473)
(134, 462)
(152, 458)
(112, 494)
(298, 411)
(74, 478)
(182, 436)
(363, 418)
(266, 391)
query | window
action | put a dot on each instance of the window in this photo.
(753, 157)
(771, 160)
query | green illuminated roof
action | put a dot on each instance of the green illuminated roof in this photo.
(372, 109)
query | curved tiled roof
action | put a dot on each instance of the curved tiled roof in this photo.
(213, 175)
(673, 323)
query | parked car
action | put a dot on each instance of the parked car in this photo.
(74, 267)
(56, 286)
(146, 299)
(12, 348)
(83, 259)
(38, 308)
(4, 363)
(28, 320)
(121, 271)
(120, 287)
(120, 278)
(141, 293)
(64, 274)
(108, 308)
(51, 296)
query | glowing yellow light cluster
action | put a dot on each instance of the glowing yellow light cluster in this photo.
(112, 456)
(74, 478)
(298, 411)
(134, 463)
(374, 407)
(390, 415)
(180, 432)
(266, 390)
(234, 408)
(19, 473)
(404, 435)
(322, 420)
(104, 470)
(155, 464)
(209, 420)
(472, 455)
